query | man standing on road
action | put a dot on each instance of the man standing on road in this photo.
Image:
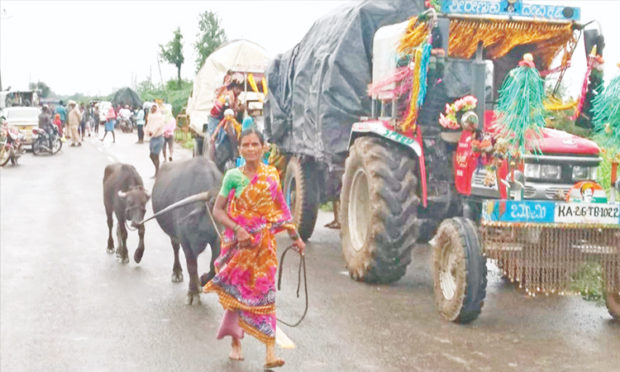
(155, 128)
(97, 118)
(140, 124)
(74, 122)
(60, 110)
(83, 121)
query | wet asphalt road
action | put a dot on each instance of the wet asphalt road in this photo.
(66, 305)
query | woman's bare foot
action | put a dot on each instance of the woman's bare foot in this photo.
(271, 361)
(235, 352)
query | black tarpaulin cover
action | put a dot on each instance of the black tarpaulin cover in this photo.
(317, 90)
(126, 96)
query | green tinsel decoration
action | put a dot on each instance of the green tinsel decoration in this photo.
(520, 107)
(606, 108)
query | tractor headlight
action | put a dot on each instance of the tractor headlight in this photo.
(543, 171)
(550, 172)
(582, 173)
(532, 170)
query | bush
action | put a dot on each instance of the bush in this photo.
(170, 93)
(588, 282)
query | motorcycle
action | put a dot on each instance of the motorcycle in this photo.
(42, 140)
(125, 125)
(11, 140)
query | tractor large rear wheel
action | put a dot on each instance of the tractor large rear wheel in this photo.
(378, 208)
(302, 195)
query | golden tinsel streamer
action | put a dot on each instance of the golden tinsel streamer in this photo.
(410, 121)
(498, 37)
(415, 34)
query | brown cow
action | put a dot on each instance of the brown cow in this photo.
(124, 194)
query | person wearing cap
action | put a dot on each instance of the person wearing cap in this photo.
(74, 122)
(155, 125)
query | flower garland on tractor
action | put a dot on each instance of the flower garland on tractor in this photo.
(455, 110)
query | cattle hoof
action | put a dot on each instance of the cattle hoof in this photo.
(177, 277)
(125, 260)
(110, 250)
(137, 256)
(193, 299)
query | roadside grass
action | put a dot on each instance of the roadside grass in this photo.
(184, 138)
(588, 282)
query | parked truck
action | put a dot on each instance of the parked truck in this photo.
(396, 183)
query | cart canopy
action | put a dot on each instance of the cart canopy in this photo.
(241, 56)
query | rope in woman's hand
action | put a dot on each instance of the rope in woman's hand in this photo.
(302, 265)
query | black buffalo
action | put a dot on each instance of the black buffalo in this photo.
(124, 195)
(189, 225)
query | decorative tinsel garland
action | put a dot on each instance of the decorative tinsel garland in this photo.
(520, 107)
(498, 37)
(418, 87)
(606, 108)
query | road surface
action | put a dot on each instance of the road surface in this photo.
(66, 305)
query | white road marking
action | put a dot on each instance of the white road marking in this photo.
(283, 340)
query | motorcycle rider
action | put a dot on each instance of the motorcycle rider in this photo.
(45, 123)
(125, 116)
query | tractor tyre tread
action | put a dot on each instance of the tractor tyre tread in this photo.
(471, 282)
(392, 231)
(306, 214)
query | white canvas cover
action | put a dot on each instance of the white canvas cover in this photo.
(238, 56)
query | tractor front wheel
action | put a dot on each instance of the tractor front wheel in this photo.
(459, 271)
(612, 299)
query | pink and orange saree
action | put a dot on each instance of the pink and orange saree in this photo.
(245, 280)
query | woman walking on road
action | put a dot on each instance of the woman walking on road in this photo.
(252, 208)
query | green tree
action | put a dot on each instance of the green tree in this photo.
(41, 86)
(210, 37)
(173, 52)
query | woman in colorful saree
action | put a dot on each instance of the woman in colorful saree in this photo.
(252, 208)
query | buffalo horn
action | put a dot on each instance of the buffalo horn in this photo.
(202, 196)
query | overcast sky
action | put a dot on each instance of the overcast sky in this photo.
(95, 47)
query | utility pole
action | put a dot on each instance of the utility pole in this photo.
(161, 79)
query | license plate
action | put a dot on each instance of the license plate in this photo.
(548, 212)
